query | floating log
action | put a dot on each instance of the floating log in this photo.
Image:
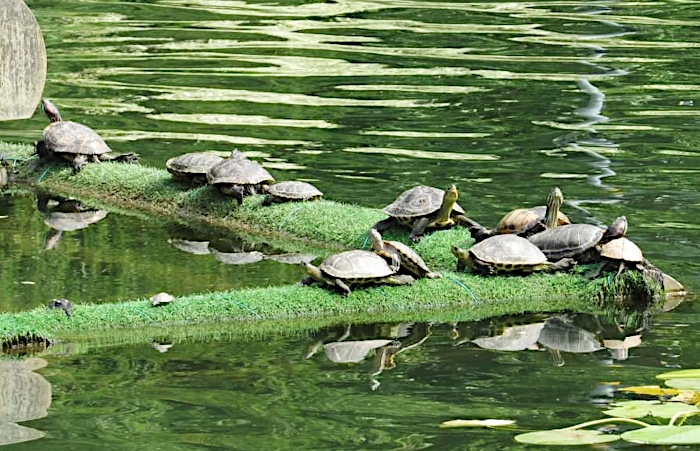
(22, 61)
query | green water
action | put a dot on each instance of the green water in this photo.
(364, 99)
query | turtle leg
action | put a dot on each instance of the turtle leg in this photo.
(267, 201)
(563, 264)
(620, 269)
(343, 286)
(476, 230)
(461, 266)
(384, 224)
(418, 229)
(399, 279)
(237, 193)
(96, 159)
(79, 162)
(306, 281)
(433, 275)
(532, 228)
(599, 269)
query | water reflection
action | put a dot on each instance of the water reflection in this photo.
(24, 396)
(64, 215)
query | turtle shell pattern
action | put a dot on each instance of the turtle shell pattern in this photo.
(519, 218)
(75, 138)
(239, 171)
(418, 201)
(192, 163)
(356, 266)
(294, 190)
(622, 249)
(409, 257)
(567, 241)
(508, 252)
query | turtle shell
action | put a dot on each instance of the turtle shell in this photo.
(75, 138)
(521, 217)
(356, 265)
(567, 241)
(294, 190)
(238, 171)
(192, 163)
(409, 257)
(73, 221)
(418, 201)
(622, 249)
(502, 250)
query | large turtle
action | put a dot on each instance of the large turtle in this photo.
(355, 268)
(70, 140)
(525, 221)
(422, 208)
(192, 167)
(411, 262)
(506, 254)
(291, 191)
(578, 241)
(238, 176)
(620, 252)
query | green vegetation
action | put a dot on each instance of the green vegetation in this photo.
(294, 226)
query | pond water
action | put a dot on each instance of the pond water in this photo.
(365, 99)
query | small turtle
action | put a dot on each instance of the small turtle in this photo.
(355, 268)
(526, 221)
(161, 299)
(506, 254)
(63, 304)
(71, 141)
(192, 167)
(291, 191)
(622, 252)
(578, 241)
(238, 176)
(411, 262)
(422, 208)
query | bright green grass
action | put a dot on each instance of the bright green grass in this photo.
(325, 225)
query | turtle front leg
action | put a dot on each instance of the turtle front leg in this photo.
(343, 286)
(400, 279)
(267, 201)
(620, 269)
(237, 193)
(79, 162)
(562, 265)
(532, 228)
(599, 269)
(96, 159)
(418, 229)
(476, 230)
(384, 224)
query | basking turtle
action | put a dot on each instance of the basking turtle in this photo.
(422, 208)
(578, 241)
(525, 221)
(238, 176)
(63, 304)
(506, 254)
(411, 262)
(355, 268)
(192, 167)
(291, 191)
(621, 252)
(70, 140)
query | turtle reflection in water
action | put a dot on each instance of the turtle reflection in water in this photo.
(559, 335)
(64, 217)
(24, 396)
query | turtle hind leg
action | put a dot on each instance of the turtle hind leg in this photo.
(267, 201)
(343, 286)
(237, 193)
(531, 228)
(79, 162)
(599, 270)
(418, 229)
(476, 230)
(384, 224)
(562, 265)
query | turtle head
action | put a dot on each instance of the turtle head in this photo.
(313, 271)
(555, 199)
(375, 239)
(50, 110)
(236, 155)
(451, 194)
(616, 230)
(460, 253)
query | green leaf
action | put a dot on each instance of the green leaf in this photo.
(639, 409)
(664, 435)
(685, 383)
(566, 437)
(490, 423)
(650, 390)
(680, 374)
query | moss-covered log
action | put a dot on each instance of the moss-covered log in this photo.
(323, 225)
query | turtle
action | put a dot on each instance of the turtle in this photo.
(63, 304)
(192, 167)
(291, 191)
(578, 241)
(411, 262)
(620, 251)
(421, 208)
(238, 176)
(354, 268)
(72, 141)
(525, 221)
(161, 298)
(502, 254)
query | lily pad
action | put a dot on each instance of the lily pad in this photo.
(639, 409)
(566, 437)
(490, 423)
(684, 383)
(651, 390)
(680, 374)
(664, 435)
